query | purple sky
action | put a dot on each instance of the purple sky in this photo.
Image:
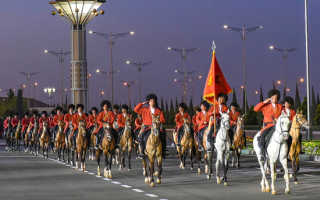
(28, 28)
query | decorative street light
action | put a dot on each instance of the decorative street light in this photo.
(285, 53)
(111, 37)
(28, 76)
(189, 76)
(128, 84)
(183, 53)
(139, 66)
(50, 91)
(60, 54)
(243, 31)
(79, 13)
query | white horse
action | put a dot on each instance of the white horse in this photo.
(222, 145)
(276, 149)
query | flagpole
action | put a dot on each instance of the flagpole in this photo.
(214, 102)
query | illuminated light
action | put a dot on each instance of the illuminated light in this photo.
(271, 47)
(225, 26)
(128, 62)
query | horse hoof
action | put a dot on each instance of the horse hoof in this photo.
(218, 180)
(199, 171)
(225, 184)
(267, 190)
(287, 192)
(146, 180)
(191, 168)
(206, 169)
(156, 173)
(159, 181)
(274, 193)
(263, 190)
(296, 183)
(152, 184)
(208, 177)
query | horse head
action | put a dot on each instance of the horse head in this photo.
(107, 131)
(300, 120)
(283, 127)
(240, 121)
(155, 124)
(225, 121)
(82, 127)
(128, 122)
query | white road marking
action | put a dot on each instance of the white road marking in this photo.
(107, 179)
(126, 186)
(116, 182)
(98, 176)
(151, 195)
(138, 190)
(15, 157)
(91, 173)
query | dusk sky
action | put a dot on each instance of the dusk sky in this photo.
(28, 28)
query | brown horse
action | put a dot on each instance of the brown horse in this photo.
(238, 142)
(208, 149)
(108, 149)
(153, 152)
(27, 138)
(298, 121)
(92, 143)
(60, 143)
(126, 143)
(35, 143)
(82, 146)
(17, 136)
(187, 145)
(45, 140)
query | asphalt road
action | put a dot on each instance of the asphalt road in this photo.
(23, 176)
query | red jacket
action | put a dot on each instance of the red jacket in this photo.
(41, 120)
(32, 121)
(194, 122)
(234, 117)
(25, 123)
(67, 121)
(138, 123)
(105, 117)
(146, 114)
(270, 113)
(58, 118)
(51, 122)
(6, 123)
(291, 113)
(92, 120)
(76, 118)
(223, 108)
(179, 119)
(203, 119)
(14, 122)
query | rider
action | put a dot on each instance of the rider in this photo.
(33, 119)
(15, 122)
(59, 117)
(43, 118)
(287, 108)
(25, 123)
(76, 118)
(146, 110)
(219, 107)
(202, 119)
(138, 124)
(234, 115)
(115, 109)
(271, 111)
(68, 120)
(105, 116)
(180, 118)
(92, 121)
(194, 120)
(6, 124)
(121, 119)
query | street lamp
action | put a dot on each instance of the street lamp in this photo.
(50, 91)
(128, 84)
(243, 32)
(285, 53)
(28, 76)
(183, 53)
(60, 54)
(79, 13)
(139, 66)
(189, 77)
(111, 37)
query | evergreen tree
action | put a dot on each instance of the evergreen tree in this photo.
(251, 118)
(162, 105)
(304, 106)
(297, 99)
(274, 85)
(191, 111)
(261, 94)
(177, 105)
(10, 94)
(318, 99)
(313, 99)
(284, 92)
(167, 112)
(234, 97)
(171, 112)
(245, 105)
(19, 105)
(316, 119)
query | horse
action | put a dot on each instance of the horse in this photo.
(153, 152)
(60, 142)
(187, 145)
(208, 149)
(45, 140)
(108, 149)
(35, 143)
(82, 146)
(9, 138)
(92, 143)
(276, 149)
(126, 143)
(17, 136)
(238, 142)
(222, 145)
(27, 138)
(295, 148)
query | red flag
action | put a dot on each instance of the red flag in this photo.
(216, 82)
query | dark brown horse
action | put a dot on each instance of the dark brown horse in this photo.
(18, 136)
(82, 146)
(238, 142)
(60, 142)
(45, 140)
(126, 143)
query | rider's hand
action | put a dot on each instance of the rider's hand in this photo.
(267, 100)
(144, 103)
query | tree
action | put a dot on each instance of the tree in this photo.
(318, 99)
(251, 118)
(284, 92)
(10, 94)
(171, 112)
(297, 100)
(316, 119)
(261, 94)
(19, 105)
(245, 105)
(273, 85)
(191, 110)
(234, 97)
(304, 106)
(162, 104)
(313, 99)
(177, 105)
(167, 112)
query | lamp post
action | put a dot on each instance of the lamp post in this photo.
(284, 53)
(243, 32)
(28, 76)
(128, 84)
(79, 13)
(111, 37)
(307, 65)
(50, 91)
(60, 54)
(189, 77)
(183, 53)
(139, 66)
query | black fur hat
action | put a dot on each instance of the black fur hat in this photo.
(197, 108)
(116, 107)
(105, 102)
(35, 112)
(224, 96)
(59, 108)
(44, 113)
(26, 113)
(94, 108)
(234, 104)
(125, 106)
(184, 106)
(289, 100)
(53, 112)
(71, 106)
(274, 92)
(80, 106)
(152, 96)
(206, 104)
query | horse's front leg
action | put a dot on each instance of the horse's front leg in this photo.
(129, 158)
(144, 168)
(273, 176)
(218, 162)
(284, 163)
(151, 169)
(191, 157)
(159, 164)
(225, 167)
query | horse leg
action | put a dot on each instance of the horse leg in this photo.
(151, 169)
(159, 172)
(225, 168)
(284, 162)
(210, 155)
(145, 173)
(98, 162)
(273, 176)
(129, 158)
(191, 158)
(238, 157)
(218, 162)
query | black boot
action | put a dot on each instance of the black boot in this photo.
(262, 147)
(141, 151)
